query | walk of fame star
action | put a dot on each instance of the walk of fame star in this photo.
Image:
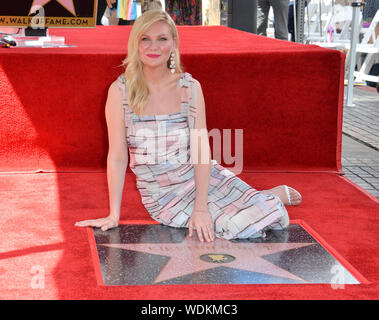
(157, 254)
(67, 4)
(185, 256)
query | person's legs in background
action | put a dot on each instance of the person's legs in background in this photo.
(263, 8)
(101, 6)
(291, 23)
(280, 8)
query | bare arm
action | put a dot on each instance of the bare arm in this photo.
(202, 160)
(117, 160)
(110, 3)
(201, 157)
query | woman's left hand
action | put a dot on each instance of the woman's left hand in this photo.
(203, 223)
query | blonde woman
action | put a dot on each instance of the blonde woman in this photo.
(157, 112)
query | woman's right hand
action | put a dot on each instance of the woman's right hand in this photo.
(103, 223)
(202, 221)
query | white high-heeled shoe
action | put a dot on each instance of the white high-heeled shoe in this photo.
(287, 188)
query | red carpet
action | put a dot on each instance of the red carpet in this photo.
(276, 91)
(37, 224)
(52, 119)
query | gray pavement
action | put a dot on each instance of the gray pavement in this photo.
(360, 139)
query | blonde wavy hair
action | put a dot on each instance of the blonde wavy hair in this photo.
(136, 87)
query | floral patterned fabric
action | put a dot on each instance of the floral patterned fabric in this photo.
(185, 12)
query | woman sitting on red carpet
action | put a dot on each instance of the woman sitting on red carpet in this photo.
(157, 112)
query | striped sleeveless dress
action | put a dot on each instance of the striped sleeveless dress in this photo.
(165, 177)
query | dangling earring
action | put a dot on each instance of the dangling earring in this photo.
(172, 62)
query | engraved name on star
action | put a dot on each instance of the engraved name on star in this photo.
(185, 256)
(67, 4)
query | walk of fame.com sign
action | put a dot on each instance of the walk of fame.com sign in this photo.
(48, 13)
